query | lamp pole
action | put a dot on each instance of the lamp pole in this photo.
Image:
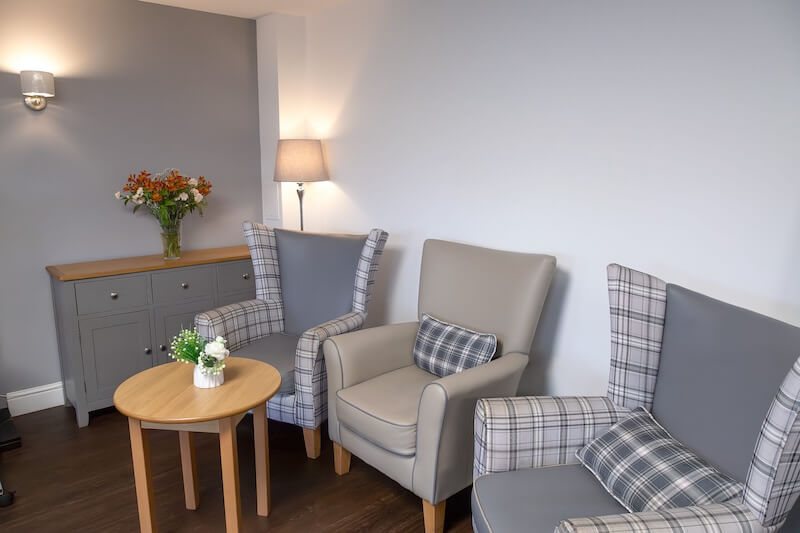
(300, 192)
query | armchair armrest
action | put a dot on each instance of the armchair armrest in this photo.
(535, 431)
(714, 518)
(365, 354)
(241, 323)
(310, 383)
(356, 357)
(444, 426)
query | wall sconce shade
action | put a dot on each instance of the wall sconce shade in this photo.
(300, 160)
(37, 87)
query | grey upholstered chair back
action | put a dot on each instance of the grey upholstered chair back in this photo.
(719, 371)
(317, 276)
(486, 290)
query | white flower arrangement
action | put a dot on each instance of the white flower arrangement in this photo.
(190, 348)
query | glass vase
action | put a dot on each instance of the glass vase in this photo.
(171, 241)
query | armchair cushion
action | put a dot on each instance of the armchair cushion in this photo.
(645, 469)
(443, 349)
(277, 350)
(384, 409)
(535, 500)
(317, 276)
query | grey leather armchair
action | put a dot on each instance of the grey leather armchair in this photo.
(722, 380)
(414, 426)
(309, 286)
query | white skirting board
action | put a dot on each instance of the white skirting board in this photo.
(35, 399)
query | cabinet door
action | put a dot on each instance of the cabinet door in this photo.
(114, 348)
(171, 319)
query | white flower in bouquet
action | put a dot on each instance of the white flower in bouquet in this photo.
(197, 196)
(193, 182)
(216, 349)
(183, 197)
(118, 195)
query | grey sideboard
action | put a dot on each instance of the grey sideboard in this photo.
(116, 318)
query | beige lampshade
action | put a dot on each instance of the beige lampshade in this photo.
(300, 160)
(37, 83)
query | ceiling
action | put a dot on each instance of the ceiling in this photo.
(252, 8)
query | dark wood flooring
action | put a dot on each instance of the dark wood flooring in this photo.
(70, 479)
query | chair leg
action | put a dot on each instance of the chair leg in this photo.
(313, 440)
(341, 459)
(433, 515)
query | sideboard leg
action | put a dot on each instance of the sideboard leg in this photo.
(83, 417)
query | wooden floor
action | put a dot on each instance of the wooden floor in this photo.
(81, 480)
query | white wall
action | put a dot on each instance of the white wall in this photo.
(661, 135)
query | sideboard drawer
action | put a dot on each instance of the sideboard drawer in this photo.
(173, 286)
(236, 276)
(111, 294)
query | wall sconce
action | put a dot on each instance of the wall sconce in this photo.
(37, 87)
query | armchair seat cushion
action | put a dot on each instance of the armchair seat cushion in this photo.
(277, 350)
(384, 409)
(536, 500)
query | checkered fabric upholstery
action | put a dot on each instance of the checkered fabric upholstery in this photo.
(310, 378)
(535, 431)
(245, 322)
(241, 323)
(264, 253)
(645, 469)
(714, 518)
(367, 268)
(772, 484)
(443, 349)
(638, 303)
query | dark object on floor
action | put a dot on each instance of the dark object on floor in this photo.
(6, 497)
(9, 438)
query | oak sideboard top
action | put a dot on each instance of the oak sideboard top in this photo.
(145, 263)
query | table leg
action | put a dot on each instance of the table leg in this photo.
(140, 448)
(189, 468)
(230, 474)
(262, 459)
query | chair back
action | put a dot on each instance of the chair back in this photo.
(317, 276)
(486, 290)
(720, 368)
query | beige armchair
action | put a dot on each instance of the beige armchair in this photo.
(416, 427)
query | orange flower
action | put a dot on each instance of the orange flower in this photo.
(157, 197)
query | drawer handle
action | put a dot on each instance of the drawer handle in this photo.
(245, 276)
(162, 347)
(184, 285)
(114, 295)
(148, 351)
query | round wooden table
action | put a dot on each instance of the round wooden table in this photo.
(164, 397)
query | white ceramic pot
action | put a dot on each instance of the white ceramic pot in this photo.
(202, 381)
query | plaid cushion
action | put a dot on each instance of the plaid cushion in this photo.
(715, 518)
(264, 253)
(638, 303)
(367, 268)
(773, 481)
(445, 349)
(645, 469)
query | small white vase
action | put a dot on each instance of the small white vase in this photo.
(202, 381)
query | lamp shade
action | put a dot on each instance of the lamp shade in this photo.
(37, 83)
(300, 160)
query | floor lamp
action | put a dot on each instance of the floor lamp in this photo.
(300, 161)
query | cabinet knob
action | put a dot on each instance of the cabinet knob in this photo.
(162, 347)
(245, 276)
(114, 295)
(148, 351)
(184, 285)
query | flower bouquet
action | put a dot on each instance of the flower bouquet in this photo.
(169, 196)
(208, 358)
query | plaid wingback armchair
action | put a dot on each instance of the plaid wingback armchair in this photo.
(709, 373)
(308, 287)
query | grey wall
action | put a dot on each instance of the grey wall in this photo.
(138, 86)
